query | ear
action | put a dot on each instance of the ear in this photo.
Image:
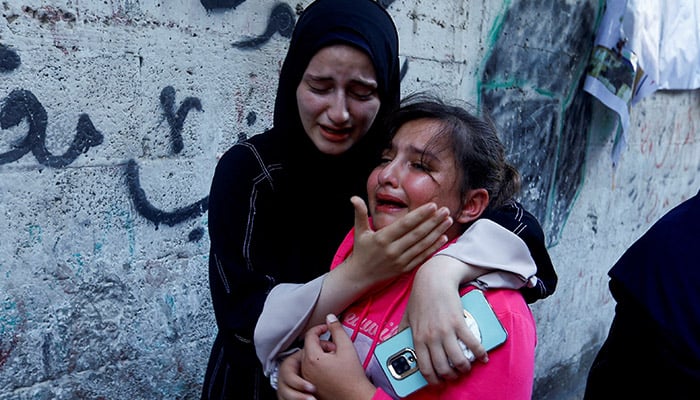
(475, 202)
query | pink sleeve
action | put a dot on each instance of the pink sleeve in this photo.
(509, 374)
(381, 395)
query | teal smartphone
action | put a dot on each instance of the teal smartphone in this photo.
(398, 358)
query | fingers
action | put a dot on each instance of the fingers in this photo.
(440, 361)
(361, 215)
(285, 392)
(314, 345)
(419, 222)
(418, 234)
(328, 346)
(291, 386)
(473, 343)
(425, 364)
(456, 359)
(316, 331)
(340, 337)
(441, 355)
(431, 243)
(312, 339)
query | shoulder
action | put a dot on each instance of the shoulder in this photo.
(251, 156)
(263, 144)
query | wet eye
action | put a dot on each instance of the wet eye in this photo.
(384, 160)
(421, 166)
(362, 92)
(318, 87)
(363, 95)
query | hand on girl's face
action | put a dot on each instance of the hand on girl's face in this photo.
(400, 247)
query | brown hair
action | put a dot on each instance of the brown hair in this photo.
(479, 152)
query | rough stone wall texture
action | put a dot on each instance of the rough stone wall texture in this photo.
(113, 113)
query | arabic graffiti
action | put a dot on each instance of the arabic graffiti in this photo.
(214, 4)
(224, 4)
(23, 105)
(150, 212)
(281, 20)
(536, 110)
(176, 120)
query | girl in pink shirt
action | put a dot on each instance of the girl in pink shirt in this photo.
(439, 153)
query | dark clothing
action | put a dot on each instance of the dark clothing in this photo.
(266, 190)
(653, 347)
(235, 380)
(518, 220)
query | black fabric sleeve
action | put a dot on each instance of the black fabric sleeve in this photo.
(238, 291)
(516, 219)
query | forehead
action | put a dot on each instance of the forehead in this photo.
(420, 133)
(338, 56)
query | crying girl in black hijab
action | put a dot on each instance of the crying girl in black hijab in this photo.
(272, 187)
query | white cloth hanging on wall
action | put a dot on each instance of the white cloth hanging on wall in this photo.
(643, 46)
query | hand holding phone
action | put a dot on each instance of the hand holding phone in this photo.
(397, 356)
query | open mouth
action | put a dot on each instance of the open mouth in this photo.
(335, 135)
(389, 202)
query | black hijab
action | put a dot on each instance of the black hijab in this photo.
(365, 25)
(317, 187)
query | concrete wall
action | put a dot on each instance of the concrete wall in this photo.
(113, 113)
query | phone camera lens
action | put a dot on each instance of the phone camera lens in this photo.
(401, 365)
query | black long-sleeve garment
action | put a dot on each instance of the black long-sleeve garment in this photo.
(653, 347)
(278, 207)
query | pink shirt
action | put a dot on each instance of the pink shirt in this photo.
(508, 375)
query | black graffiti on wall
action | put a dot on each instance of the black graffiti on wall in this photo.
(152, 213)
(176, 120)
(232, 4)
(215, 4)
(9, 59)
(526, 82)
(22, 105)
(531, 84)
(281, 21)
